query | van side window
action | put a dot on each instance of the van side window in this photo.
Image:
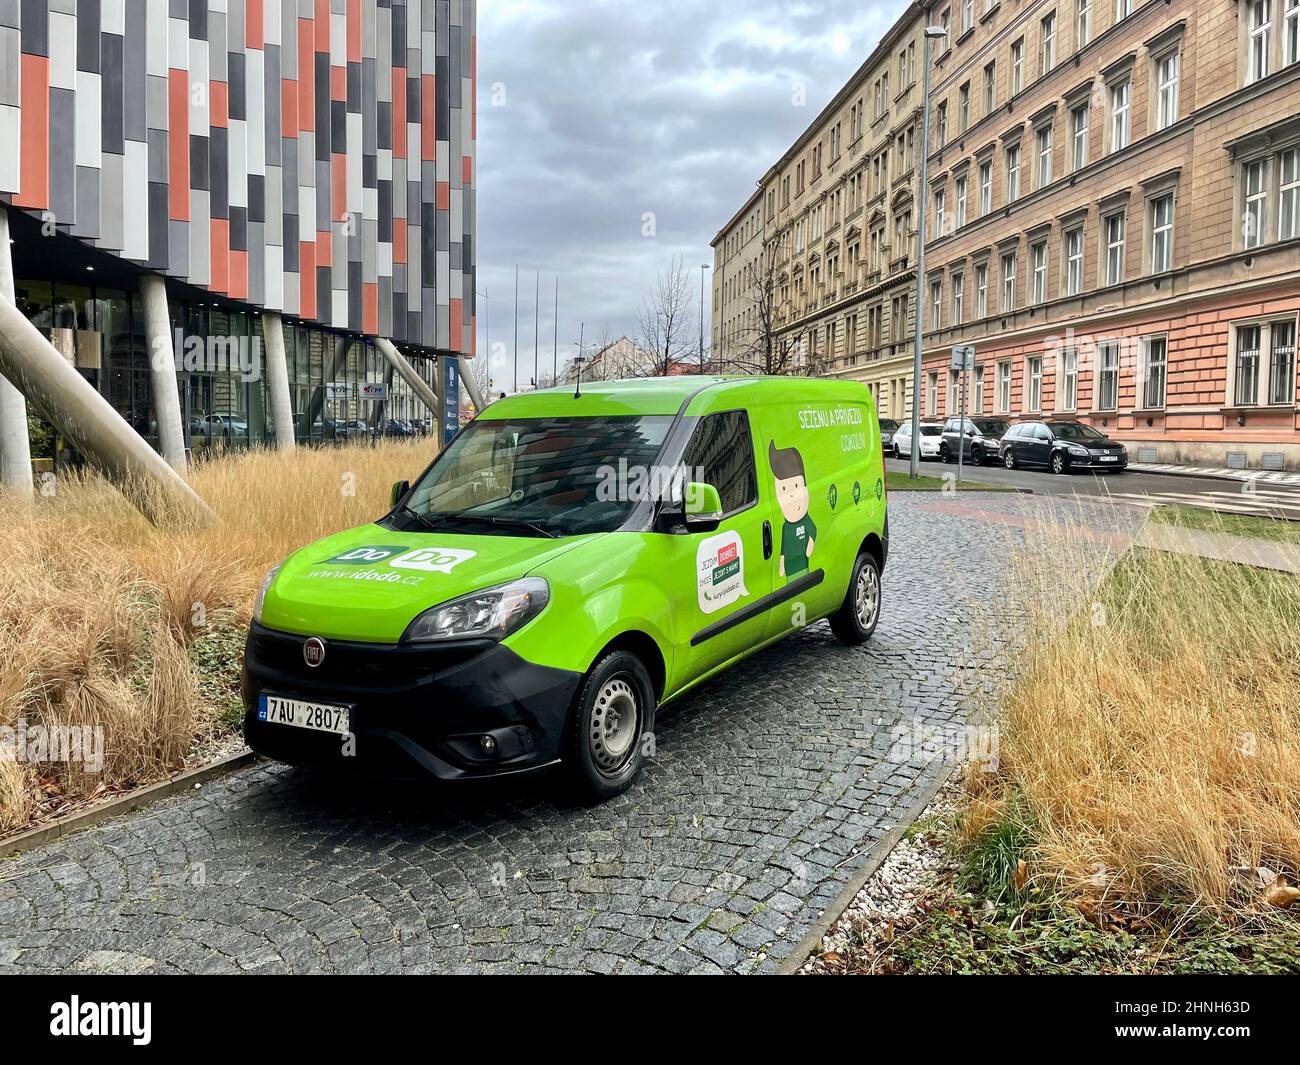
(722, 452)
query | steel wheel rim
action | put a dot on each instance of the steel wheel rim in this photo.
(615, 722)
(868, 596)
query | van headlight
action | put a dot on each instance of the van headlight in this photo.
(260, 601)
(494, 612)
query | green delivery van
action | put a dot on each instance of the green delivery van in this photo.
(570, 562)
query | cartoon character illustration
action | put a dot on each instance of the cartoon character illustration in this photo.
(799, 533)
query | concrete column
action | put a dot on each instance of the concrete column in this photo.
(276, 369)
(86, 418)
(15, 447)
(471, 385)
(406, 371)
(162, 371)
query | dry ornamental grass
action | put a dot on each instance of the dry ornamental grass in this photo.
(98, 608)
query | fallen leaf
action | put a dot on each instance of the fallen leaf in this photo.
(1281, 894)
(830, 957)
(1021, 876)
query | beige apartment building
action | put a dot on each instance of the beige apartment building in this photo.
(823, 258)
(737, 308)
(1115, 220)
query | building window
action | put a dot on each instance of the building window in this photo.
(936, 304)
(958, 298)
(982, 290)
(1123, 8)
(1079, 137)
(1120, 115)
(1004, 388)
(1040, 272)
(1034, 371)
(977, 392)
(1162, 233)
(1256, 194)
(1108, 375)
(942, 124)
(1167, 90)
(990, 80)
(1084, 23)
(1013, 173)
(967, 14)
(940, 209)
(1265, 351)
(963, 108)
(1074, 262)
(1018, 65)
(932, 393)
(1155, 355)
(1260, 27)
(1281, 388)
(1291, 33)
(986, 188)
(961, 201)
(1047, 53)
(1068, 396)
(1246, 379)
(1115, 245)
(1044, 156)
(1288, 217)
(1009, 281)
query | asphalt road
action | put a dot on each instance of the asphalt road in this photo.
(1083, 483)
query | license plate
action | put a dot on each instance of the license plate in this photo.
(322, 717)
(1109, 458)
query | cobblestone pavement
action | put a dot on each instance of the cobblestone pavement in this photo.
(769, 788)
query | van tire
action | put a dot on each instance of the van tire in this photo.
(600, 761)
(848, 622)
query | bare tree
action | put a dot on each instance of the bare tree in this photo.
(770, 348)
(667, 320)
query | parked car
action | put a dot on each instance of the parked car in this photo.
(218, 427)
(546, 618)
(397, 427)
(1061, 447)
(888, 427)
(978, 443)
(931, 437)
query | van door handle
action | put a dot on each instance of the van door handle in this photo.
(767, 539)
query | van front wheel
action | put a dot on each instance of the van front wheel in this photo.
(614, 708)
(858, 615)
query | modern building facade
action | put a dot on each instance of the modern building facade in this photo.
(1115, 210)
(304, 167)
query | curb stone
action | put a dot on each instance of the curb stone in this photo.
(122, 804)
(794, 961)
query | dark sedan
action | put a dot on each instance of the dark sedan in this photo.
(978, 441)
(1061, 447)
(888, 427)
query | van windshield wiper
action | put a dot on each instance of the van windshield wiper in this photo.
(421, 518)
(509, 523)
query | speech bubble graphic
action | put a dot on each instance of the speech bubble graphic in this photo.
(364, 555)
(432, 559)
(720, 571)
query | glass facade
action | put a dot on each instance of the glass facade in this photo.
(219, 357)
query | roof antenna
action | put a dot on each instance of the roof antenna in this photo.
(578, 361)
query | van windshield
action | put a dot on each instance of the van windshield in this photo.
(536, 476)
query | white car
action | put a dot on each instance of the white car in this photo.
(931, 438)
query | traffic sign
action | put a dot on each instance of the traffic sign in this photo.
(963, 357)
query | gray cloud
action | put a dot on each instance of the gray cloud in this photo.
(593, 114)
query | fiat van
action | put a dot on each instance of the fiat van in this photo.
(573, 560)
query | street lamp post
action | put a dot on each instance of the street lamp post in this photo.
(703, 268)
(931, 33)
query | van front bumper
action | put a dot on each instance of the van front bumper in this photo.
(416, 709)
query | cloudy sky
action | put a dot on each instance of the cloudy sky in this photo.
(594, 114)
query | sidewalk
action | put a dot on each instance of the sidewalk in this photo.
(1221, 472)
(1223, 547)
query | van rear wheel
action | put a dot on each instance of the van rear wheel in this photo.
(856, 619)
(614, 711)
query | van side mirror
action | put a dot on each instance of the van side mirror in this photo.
(399, 489)
(703, 507)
